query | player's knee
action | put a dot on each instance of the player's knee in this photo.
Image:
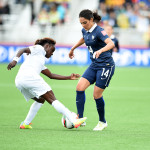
(49, 97)
(39, 100)
(80, 87)
(97, 95)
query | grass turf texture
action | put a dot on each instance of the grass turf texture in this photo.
(127, 102)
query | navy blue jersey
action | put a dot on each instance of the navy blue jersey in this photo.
(94, 40)
(116, 42)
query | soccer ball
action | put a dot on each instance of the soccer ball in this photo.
(66, 123)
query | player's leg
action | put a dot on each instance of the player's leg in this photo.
(87, 78)
(34, 109)
(100, 105)
(82, 85)
(51, 99)
(32, 113)
(103, 78)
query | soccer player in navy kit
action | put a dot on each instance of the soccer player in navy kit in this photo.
(109, 31)
(100, 70)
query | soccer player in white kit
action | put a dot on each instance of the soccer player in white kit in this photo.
(32, 85)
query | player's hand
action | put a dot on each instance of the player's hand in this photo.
(11, 65)
(74, 76)
(97, 54)
(71, 54)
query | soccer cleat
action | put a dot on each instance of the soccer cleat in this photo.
(79, 122)
(83, 124)
(25, 126)
(100, 126)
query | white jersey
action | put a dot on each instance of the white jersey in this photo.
(34, 63)
(28, 80)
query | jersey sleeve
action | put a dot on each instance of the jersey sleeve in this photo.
(83, 32)
(37, 49)
(44, 67)
(102, 35)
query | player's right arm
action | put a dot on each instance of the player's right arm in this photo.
(79, 43)
(51, 75)
(16, 58)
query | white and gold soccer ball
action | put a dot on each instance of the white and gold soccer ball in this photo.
(66, 123)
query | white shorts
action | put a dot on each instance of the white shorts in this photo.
(32, 86)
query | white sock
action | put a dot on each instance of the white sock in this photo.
(63, 110)
(32, 112)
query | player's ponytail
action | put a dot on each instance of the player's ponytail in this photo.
(97, 17)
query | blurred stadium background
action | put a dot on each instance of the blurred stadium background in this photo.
(23, 21)
(127, 98)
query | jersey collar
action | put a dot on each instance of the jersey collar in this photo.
(94, 26)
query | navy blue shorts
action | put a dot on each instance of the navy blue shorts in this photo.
(101, 76)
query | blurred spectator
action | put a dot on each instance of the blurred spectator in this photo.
(125, 13)
(54, 16)
(43, 19)
(103, 11)
(109, 31)
(142, 23)
(31, 2)
(61, 10)
(1, 25)
(122, 20)
(112, 18)
(57, 11)
(4, 8)
(134, 1)
(46, 6)
(21, 2)
(114, 2)
(1, 21)
(101, 1)
(131, 14)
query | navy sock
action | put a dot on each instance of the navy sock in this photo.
(100, 104)
(80, 101)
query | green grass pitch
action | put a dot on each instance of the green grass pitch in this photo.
(127, 102)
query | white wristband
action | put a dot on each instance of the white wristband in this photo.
(16, 59)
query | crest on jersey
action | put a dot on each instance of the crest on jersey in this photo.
(93, 37)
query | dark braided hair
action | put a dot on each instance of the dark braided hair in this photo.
(88, 14)
(43, 41)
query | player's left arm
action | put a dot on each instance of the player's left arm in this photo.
(109, 45)
(51, 75)
(16, 58)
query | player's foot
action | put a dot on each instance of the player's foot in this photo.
(79, 122)
(25, 126)
(83, 124)
(100, 126)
